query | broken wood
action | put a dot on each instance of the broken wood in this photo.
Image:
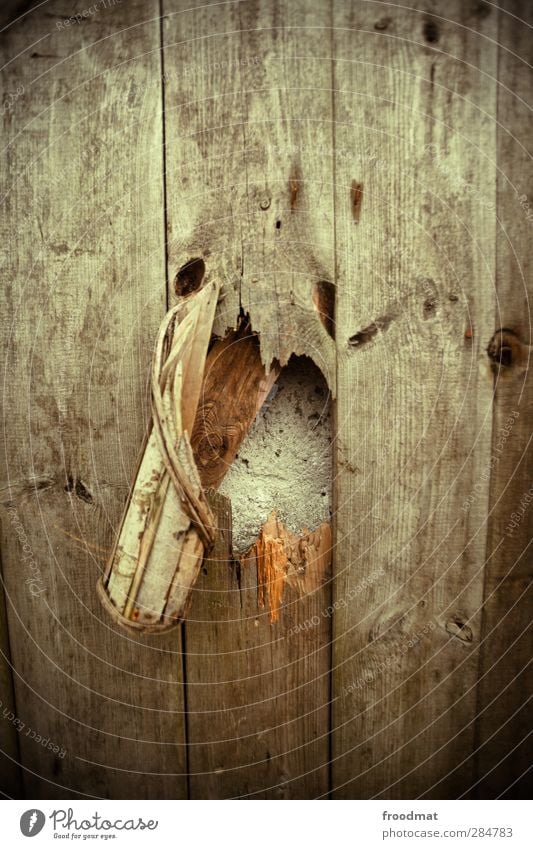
(167, 526)
(234, 390)
(284, 558)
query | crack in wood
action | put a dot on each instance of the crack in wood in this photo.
(367, 334)
(295, 181)
(78, 488)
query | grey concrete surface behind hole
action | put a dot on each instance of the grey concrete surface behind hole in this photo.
(285, 461)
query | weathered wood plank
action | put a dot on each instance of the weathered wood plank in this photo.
(11, 10)
(257, 724)
(504, 710)
(414, 106)
(10, 772)
(249, 175)
(84, 263)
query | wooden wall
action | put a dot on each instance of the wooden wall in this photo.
(385, 150)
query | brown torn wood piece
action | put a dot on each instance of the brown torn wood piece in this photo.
(234, 390)
(167, 526)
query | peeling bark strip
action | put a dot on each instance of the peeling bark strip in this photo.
(284, 558)
(167, 524)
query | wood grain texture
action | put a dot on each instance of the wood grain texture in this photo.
(249, 177)
(335, 165)
(10, 771)
(258, 711)
(415, 97)
(85, 292)
(504, 691)
(235, 386)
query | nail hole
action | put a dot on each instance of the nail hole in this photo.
(356, 196)
(504, 349)
(429, 308)
(458, 628)
(506, 356)
(189, 277)
(324, 301)
(431, 32)
(278, 224)
(382, 24)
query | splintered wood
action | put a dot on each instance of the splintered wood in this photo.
(285, 559)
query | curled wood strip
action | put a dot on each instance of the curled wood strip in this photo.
(167, 525)
(166, 417)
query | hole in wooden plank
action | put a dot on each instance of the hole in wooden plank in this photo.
(431, 31)
(286, 458)
(264, 440)
(457, 627)
(504, 349)
(367, 334)
(76, 486)
(189, 277)
(324, 301)
(356, 197)
(382, 24)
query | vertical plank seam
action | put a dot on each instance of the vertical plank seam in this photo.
(164, 152)
(334, 499)
(477, 741)
(9, 667)
(167, 299)
(245, 160)
(185, 706)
